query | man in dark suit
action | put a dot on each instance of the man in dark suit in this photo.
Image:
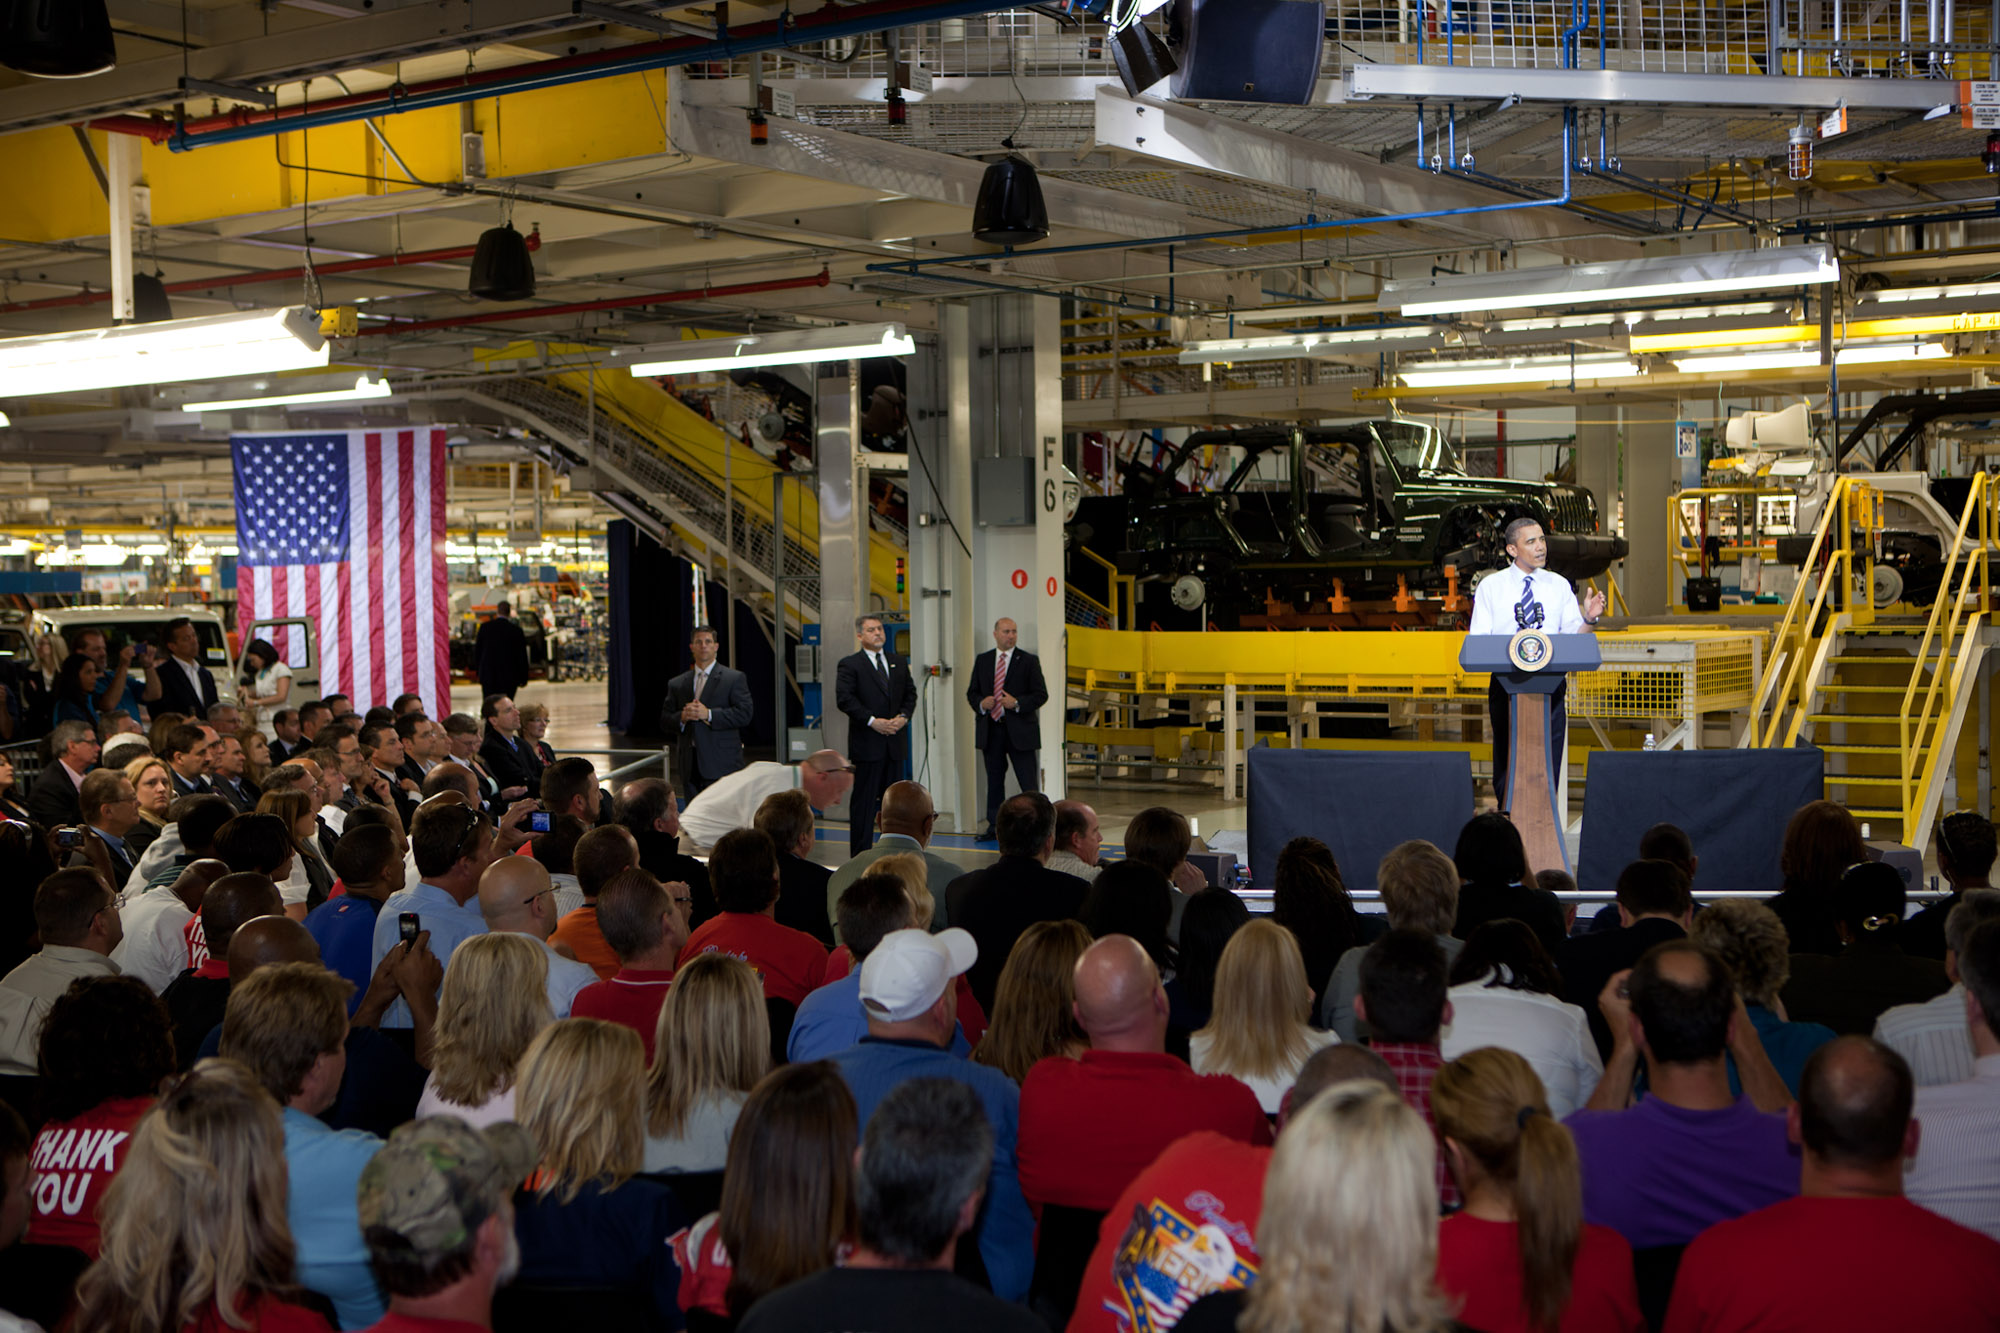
(878, 694)
(1654, 906)
(500, 654)
(110, 807)
(509, 758)
(185, 684)
(996, 904)
(706, 708)
(186, 750)
(53, 800)
(1006, 691)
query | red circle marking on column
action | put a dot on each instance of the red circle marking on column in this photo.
(1052, 585)
(1020, 578)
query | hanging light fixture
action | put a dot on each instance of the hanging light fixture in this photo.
(1010, 210)
(58, 39)
(247, 342)
(501, 267)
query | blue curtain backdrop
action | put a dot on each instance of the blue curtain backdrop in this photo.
(1359, 804)
(1734, 805)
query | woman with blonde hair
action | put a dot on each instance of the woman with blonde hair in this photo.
(587, 1218)
(1348, 1235)
(256, 756)
(1519, 1255)
(310, 880)
(494, 1001)
(194, 1227)
(1034, 1013)
(711, 1044)
(1259, 1030)
(153, 783)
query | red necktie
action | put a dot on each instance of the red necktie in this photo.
(999, 681)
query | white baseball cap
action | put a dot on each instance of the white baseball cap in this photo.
(910, 969)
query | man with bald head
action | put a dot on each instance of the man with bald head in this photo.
(904, 822)
(731, 802)
(1783, 1266)
(1089, 1126)
(1006, 691)
(517, 897)
(196, 999)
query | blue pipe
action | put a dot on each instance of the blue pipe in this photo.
(859, 22)
(909, 266)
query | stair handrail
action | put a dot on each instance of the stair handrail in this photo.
(1777, 687)
(1919, 766)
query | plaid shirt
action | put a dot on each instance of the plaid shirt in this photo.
(1415, 1064)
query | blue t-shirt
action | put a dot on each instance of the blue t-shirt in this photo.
(438, 912)
(325, 1168)
(345, 930)
(831, 1019)
(129, 701)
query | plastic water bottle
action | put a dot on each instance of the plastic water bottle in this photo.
(1652, 743)
(1865, 834)
(1194, 827)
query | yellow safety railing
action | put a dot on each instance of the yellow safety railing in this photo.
(1684, 543)
(1962, 605)
(1614, 596)
(1120, 591)
(1854, 508)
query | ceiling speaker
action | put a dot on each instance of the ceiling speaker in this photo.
(1143, 59)
(149, 299)
(1010, 210)
(501, 267)
(57, 39)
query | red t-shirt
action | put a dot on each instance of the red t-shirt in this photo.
(578, 930)
(1835, 1264)
(1183, 1228)
(1089, 1126)
(267, 1314)
(971, 1018)
(790, 963)
(72, 1165)
(632, 998)
(1480, 1263)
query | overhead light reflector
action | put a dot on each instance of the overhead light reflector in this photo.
(852, 342)
(1807, 359)
(1638, 279)
(170, 352)
(1282, 347)
(1517, 370)
(363, 388)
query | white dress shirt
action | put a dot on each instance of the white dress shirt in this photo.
(1493, 602)
(154, 948)
(731, 803)
(1931, 1037)
(1552, 1036)
(1070, 864)
(1957, 1171)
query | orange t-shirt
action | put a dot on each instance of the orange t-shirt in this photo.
(578, 930)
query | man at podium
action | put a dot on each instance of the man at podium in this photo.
(1525, 595)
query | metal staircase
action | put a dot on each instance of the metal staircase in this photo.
(1884, 696)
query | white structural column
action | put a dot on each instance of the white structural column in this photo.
(1597, 465)
(130, 209)
(941, 629)
(843, 541)
(1650, 471)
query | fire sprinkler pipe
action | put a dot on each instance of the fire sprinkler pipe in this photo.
(779, 34)
(363, 265)
(706, 292)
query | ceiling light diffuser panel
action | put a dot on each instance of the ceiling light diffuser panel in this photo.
(1629, 280)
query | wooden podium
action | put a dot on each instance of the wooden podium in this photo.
(1531, 666)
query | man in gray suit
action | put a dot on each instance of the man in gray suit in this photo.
(905, 819)
(706, 708)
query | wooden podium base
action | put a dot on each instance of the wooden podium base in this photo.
(1531, 784)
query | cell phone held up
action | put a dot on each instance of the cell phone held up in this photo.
(538, 822)
(409, 926)
(71, 838)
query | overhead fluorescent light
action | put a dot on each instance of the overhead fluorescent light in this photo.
(5, 421)
(1517, 370)
(1637, 279)
(168, 352)
(1808, 358)
(1949, 292)
(1286, 346)
(850, 342)
(363, 388)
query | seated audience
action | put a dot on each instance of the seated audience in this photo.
(493, 1004)
(906, 989)
(995, 904)
(371, 869)
(1750, 940)
(646, 923)
(1654, 906)
(918, 1186)
(712, 1044)
(1404, 1001)
(194, 1224)
(1034, 1014)
(587, 1218)
(453, 845)
(786, 818)
(743, 869)
(105, 1051)
(1519, 1255)
(1503, 993)
(1309, 898)
(914, 873)
(1211, 917)
(1965, 854)
(1419, 886)
(287, 1024)
(600, 854)
(787, 1196)
(154, 788)
(555, 852)
(1799, 1263)
(1161, 837)
(76, 918)
(647, 808)
(904, 822)
(1089, 1125)
(1932, 1036)
(516, 898)
(436, 1208)
(1348, 1235)
(1186, 1224)
(1821, 841)
(1870, 973)
(1688, 1154)
(310, 880)
(1260, 1032)
(1493, 867)
(72, 748)
(1132, 899)
(1078, 840)
(1956, 1173)
(198, 997)
(110, 807)
(569, 790)
(832, 1018)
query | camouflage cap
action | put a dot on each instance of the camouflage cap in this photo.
(438, 1178)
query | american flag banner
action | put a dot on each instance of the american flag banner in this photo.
(347, 529)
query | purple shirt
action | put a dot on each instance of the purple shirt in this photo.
(1661, 1175)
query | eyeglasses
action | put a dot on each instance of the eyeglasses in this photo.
(543, 894)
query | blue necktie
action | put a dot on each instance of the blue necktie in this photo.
(1527, 611)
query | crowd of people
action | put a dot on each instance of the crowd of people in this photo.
(391, 1023)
